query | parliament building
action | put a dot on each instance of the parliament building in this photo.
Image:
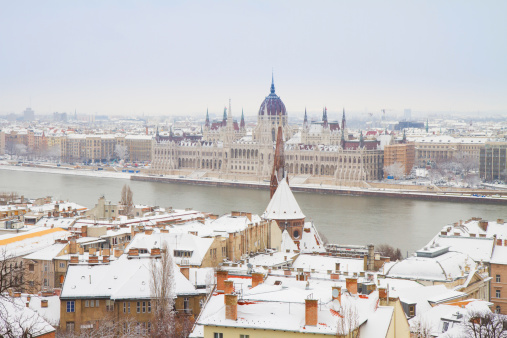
(320, 150)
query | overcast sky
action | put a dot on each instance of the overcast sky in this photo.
(181, 57)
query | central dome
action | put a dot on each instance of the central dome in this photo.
(272, 104)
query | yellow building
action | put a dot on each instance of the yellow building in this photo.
(403, 153)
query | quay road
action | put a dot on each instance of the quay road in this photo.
(471, 196)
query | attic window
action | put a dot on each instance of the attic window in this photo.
(278, 282)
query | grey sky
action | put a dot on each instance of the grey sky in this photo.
(179, 57)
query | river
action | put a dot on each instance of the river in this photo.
(403, 223)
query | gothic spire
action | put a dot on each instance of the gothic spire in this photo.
(242, 123)
(207, 118)
(272, 83)
(305, 122)
(324, 117)
(343, 120)
(361, 140)
(224, 119)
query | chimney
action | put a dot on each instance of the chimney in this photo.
(155, 252)
(351, 284)
(257, 278)
(17, 294)
(382, 293)
(185, 271)
(311, 312)
(73, 246)
(118, 253)
(499, 221)
(81, 250)
(286, 272)
(228, 287)
(93, 260)
(371, 258)
(106, 252)
(133, 252)
(335, 275)
(74, 259)
(231, 307)
(43, 303)
(47, 293)
(105, 259)
(483, 224)
(337, 266)
(92, 251)
(148, 232)
(336, 293)
(221, 277)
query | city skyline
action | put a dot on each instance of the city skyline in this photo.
(177, 58)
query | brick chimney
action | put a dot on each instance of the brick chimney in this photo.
(257, 278)
(106, 252)
(105, 259)
(133, 252)
(43, 303)
(311, 312)
(229, 287)
(185, 271)
(382, 293)
(81, 250)
(93, 260)
(336, 293)
(17, 294)
(73, 246)
(149, 232)
(483, 224)
(92, 251)
(74, 259)
(221, 277)
(231, 307)
(351, 284)
(286, 272)
(155, 252)
(335, 275)
(500, 221)
(118, 253)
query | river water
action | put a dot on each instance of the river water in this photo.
(403, 223)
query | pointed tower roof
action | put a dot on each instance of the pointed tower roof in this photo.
(306, 117)
(283, 204)
(207, 118)
(272, 83)
(324, 117)
(242, 123)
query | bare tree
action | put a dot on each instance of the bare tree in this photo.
(387, 250)
(121, 151)
(20, 150)
(396, 169)
(421, 329)
(485, 325)
(162, 294)
(14, 275)
(127, 200)
(16, 320)
(348, 321)
(7, 197)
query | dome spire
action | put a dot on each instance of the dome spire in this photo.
(272, 82)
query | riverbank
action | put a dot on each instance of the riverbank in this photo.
(384, 190)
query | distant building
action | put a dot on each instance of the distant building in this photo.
(407, 114)
(403, 153)
(28, 114)
(442, 148)
(59, 117)
(2, 142)
(493, 161)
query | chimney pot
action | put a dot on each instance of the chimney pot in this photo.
(229, 287)
(351, 284)
(257, 278)
(44, 303)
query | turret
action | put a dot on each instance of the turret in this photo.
(224, 119)
(361, 140)
(242, 123)
(305, 123)
(343, 120)
(207, 119)
(324, 118)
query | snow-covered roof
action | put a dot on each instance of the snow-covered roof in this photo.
(27, 242)
(283, 204)
(198, 246)
(121, 279)
(48, 253)
(446, 267)
(16, 318)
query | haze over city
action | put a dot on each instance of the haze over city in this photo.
(177, 58)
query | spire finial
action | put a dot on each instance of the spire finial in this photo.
(272, 82)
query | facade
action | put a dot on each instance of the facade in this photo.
(100, 148)
(321, 149)
(493, 161)
(435, 149)
(403, 153)
(2, 142)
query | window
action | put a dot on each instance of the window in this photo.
(31, 267)
(109, 305)
(498, 278)
(71, 306)
(97, 303)
(244, 336)
(498, 309)
(92, 303)
(70, 326)
(87, 303)
(186, 304)
(497, 293)
(62, 265)
(144, 307)
(445, 327)
(149, 306)
(218, 335)
(138, 307)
